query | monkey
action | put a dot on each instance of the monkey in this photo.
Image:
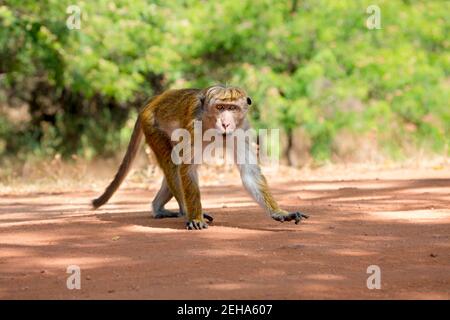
(219, 107)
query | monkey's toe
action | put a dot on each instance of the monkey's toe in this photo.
(196, 225)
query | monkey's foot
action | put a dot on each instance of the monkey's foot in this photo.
(196, 224)
(163, 213)
(297, 216)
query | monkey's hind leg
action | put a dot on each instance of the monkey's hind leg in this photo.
(163, 196)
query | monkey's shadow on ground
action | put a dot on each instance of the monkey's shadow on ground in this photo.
(254, 220)
(141, 218)
(233, 209)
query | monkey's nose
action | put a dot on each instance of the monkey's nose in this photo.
(225, 125)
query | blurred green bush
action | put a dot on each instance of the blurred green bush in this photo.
(310, 64)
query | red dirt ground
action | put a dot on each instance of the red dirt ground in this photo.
(398, 224)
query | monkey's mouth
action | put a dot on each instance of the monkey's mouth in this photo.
(227, 133)
(224, 133)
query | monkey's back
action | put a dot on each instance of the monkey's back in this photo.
(172, 106)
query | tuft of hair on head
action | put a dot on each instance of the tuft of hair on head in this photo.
(225, 92)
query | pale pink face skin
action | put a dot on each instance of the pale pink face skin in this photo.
(226, 122)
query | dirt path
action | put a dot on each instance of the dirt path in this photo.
(402, 226)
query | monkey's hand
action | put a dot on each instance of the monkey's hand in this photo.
(288, 216)
(196, 224)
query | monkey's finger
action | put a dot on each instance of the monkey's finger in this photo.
(196, 225)
(201, 225)
(208, 217)
(190, 225)
(299, 216)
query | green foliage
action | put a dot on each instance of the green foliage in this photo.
(313, 65)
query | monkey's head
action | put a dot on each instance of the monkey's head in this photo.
(225, 108)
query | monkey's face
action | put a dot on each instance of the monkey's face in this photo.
(230, 115)
(226, 108)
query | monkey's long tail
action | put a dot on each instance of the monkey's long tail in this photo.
(125, 166)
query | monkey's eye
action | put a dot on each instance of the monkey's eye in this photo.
(220, 107)
(249, 101)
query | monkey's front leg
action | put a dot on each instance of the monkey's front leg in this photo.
(256, 184)
(191, 194)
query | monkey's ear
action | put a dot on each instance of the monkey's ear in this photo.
(249, 101)
(202, 100)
